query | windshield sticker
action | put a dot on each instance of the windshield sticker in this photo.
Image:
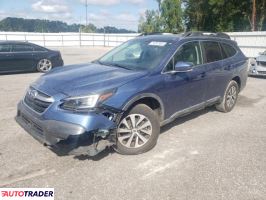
(160, 44)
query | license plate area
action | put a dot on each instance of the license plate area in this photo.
(32, 125)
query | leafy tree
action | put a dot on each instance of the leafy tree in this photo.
(111, 29)
(37, 25)
(261, 15)
(151, 22)
(168, 18)
(171, 15)
(90, 28)
(204, 15)
(223, 15)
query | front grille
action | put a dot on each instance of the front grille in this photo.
(37, 100)
(262, 64)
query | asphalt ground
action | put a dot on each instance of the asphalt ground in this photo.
(206, 155)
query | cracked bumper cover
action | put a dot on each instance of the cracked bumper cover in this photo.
(66, 137)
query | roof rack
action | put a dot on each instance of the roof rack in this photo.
(199, 33)
(155, 33)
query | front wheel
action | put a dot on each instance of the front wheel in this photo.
(138, 131)
(44, 65)
(230, 97)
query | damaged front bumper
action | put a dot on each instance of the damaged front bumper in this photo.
(67, 132)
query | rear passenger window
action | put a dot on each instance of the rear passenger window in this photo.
(212, 51)
(21, 48)
(228, 50)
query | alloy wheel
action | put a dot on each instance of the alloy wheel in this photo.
(134, 131)
(45, 65)
(231, 97)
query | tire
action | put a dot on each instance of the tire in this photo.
(138, 131)
(230, 97)
(44, 65)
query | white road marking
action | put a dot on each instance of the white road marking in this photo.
(9, 181)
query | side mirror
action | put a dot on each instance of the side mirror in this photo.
(183, 66)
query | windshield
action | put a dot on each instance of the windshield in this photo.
(137, 55)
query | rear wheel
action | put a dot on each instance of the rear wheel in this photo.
(44, 65)
(230, 97)
(138, 131)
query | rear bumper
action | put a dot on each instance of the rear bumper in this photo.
(58, 63)
(64, 137)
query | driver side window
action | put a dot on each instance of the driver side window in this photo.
(189, 52)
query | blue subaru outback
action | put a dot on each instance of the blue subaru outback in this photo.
(122, 99)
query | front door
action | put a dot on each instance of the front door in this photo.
(185, 90)
(22, 57)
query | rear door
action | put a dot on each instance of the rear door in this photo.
(215, 74)
(5, 57)
(22, 55)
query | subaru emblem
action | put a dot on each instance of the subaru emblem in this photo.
(33, 93)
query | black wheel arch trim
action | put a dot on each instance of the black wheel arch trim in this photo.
(142, 96)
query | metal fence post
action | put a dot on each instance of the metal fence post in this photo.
(79, 37)
(104, 39)
(44, 43)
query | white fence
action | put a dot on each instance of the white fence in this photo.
(251, 43)
(68, 39)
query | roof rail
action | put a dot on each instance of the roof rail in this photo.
(155, 33)
(200, 33)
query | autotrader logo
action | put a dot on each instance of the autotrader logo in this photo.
(27, 193)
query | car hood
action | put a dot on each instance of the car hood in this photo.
(85, 79)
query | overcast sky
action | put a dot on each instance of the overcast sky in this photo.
(119, 13)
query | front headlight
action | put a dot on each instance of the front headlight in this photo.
(84, 102)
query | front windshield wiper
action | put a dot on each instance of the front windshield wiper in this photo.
(120, 66)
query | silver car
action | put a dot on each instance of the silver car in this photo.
(258, 68)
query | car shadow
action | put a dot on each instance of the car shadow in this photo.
(100, 156)
(17, 73)
(185, 118)
(164, 129)
(257, 77)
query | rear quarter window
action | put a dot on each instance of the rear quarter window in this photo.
(228, 50)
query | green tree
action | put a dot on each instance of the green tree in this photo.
(90, 28)
(168, 18)
(150, 22)
(261, 15)
(171, 16)
(223, 15)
